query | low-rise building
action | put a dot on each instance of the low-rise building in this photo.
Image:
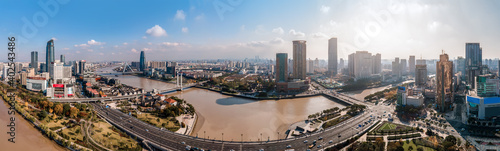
(36, 83)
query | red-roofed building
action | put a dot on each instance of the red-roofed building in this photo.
(171, 101)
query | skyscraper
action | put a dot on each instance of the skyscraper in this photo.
(350, 65)
(281, 67)
(49, 55)
(403, 66)
(142, 61)
(473, 62)
(332, 56)
(341, 64)
(421, 73)
(63, 61)
(310, 66)
(461, 67)
(444, 82)
(396, 69)
(81, 67)
(361, 64)
(377, 64)
(34, 60)
(411, 64)
(299, 59)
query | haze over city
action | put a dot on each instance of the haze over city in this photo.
(190, 30)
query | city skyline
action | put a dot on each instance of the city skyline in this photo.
(191, 30)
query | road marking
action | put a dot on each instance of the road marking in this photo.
(241, 147)
(222, 147)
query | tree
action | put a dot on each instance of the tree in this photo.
(66, 109)
(42, 114)
(74, 112)
(58, 109)
(51, 110)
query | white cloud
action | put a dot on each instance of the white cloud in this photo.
(125, 43)
(278, 30)
(81, 45)
(156, 31)
(146, 49)
(113, 53)
(90, 50)
(324, 9)
(54, 38)
(173, 44)
(296, 34)
(93, 42)
(150, 43)
(116, 46)
(133, 50)
(277, 40)
(200, 17)
(185, 30)
(65, 48)
(242, 27)
(320, 35)
(180, 15)
(101, 54)
(77, 51)
(144, 37)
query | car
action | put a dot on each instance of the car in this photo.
(452, 130)
(331, 141)
(320, 138)
(183, 142)
(202, 150)
(314, 142)
(131, 127)
(319, 146)
(261, 149)
(188, 147)
(311, 146)
(147, 130)
(305, 141)
(231, 150)
(340, 135)
(289, 146)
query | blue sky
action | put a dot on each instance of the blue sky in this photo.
(178, 30)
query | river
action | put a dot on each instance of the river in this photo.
(27, 137)
(235, 116)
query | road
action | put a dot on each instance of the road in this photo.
(173, 141)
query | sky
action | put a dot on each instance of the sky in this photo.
(237, 29)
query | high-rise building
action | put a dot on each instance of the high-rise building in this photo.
(49, 55)
(444, 82)
(498, 74)
(56, 72)
(350, 65)
(299, 59)
(332, 56)
(411, 64)
(63, 59)
(403, 65)
(158, 65)
(81, 67)
(281, 67)
(361, 64)
(310, 67)
(76, 69)
(421, 73)
(142, 61)
(377, 64)
(473, 62)
(396, 69)
(483, 102)
(34, 60)
(341, 64)
(460, 66)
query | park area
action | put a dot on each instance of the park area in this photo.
(387, 128)
(111, 137)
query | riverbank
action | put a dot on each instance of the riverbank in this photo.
(28, 137)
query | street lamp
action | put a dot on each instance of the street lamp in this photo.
(204, 134)
(222, 136)
(278, 136)
(241, 138)
(261, 138)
